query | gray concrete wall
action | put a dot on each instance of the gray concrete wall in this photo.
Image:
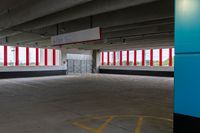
(30, 68)
(146, 68)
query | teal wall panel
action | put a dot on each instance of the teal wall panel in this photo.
(187, 26)
(187, 85)
(187, 57)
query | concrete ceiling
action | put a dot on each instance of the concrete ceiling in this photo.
(119, 19)
(29, 10)
(7, 5)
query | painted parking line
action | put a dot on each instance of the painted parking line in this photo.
(107, 120)
(138, 127)
(104, 125)
(95, 130)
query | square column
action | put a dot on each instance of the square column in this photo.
(187, 66)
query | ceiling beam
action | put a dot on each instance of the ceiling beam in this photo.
(89, 9)
(34, 10)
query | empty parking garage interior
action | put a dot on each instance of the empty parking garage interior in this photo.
(98, 66)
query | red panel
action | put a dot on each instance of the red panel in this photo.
(37, 57)
(151, 57)
(114, 58)
(102, 58)
(143, 57)
(160, 57)
(54, 57)
(17, 55)
(127, 58)
(135, 57)
(120, 58)
(108, 58)
(27, 56)
(46, 57)
(170, 57)
(5, 55)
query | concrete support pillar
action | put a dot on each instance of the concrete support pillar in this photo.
(95, 61)
(64, 57)
(187, 66)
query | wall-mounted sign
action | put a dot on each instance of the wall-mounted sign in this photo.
(77, 37)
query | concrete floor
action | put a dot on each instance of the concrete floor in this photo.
(86, 104)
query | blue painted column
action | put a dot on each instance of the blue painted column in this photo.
(187, 60)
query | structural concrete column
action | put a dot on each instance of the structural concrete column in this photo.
(63, 57)
(96, 61)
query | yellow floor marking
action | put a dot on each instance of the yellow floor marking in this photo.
(93, 130)
(139, 123)
(108, 119)
(121, 116)
(103, 126)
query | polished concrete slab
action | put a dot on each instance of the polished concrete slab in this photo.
(87, 103)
